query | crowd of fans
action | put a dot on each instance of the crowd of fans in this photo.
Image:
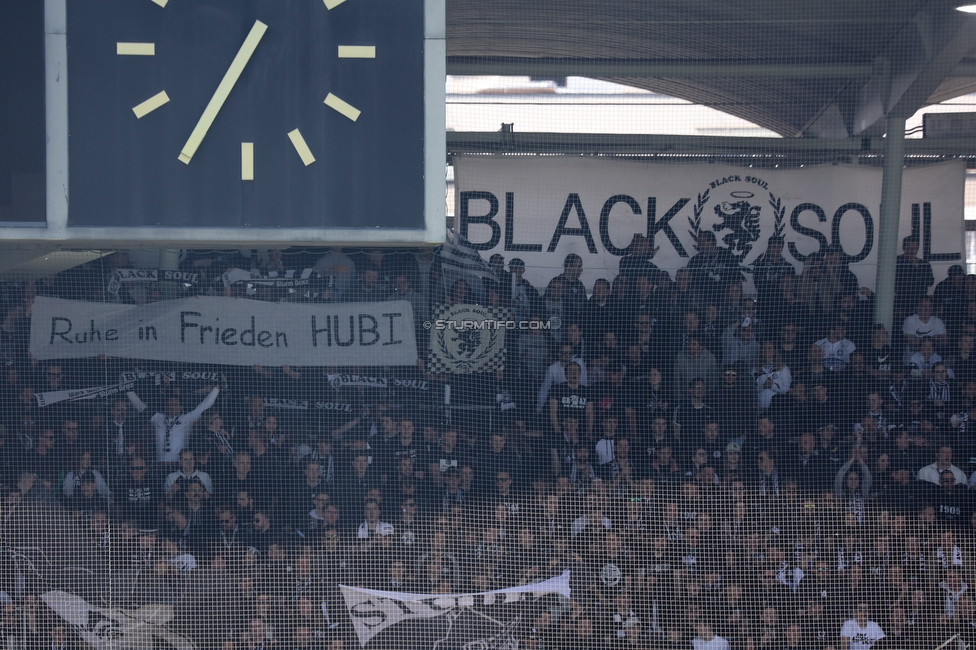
(715, 469)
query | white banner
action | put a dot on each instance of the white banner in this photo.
(372, 612)
(227, 331)
(112, 628)
(541, 209)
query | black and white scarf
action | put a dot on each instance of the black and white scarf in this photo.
(769, 485)
(939, 390)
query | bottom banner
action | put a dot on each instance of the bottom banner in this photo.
(488, 620)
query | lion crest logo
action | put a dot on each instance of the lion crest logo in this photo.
(741, 220)
(466, 343)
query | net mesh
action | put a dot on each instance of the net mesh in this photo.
(701, 462)
(670, 453)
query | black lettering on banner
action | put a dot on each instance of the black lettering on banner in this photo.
(227, 336)
(605, 221)
(181, 276)
(327, 329)
(197, 375)
(333, 406)
(487, 219)
(419, 384)
(278, 339)
(111, 335)
(372, 614)
(393, 341)
(62, 333)
(573, 203)
(137, 274)
(251, 332)
(368, 330)
(264, 337)
(184, 324)
(868, 229)
(654, 225)
(927, 253)
(274, 402)
(352, 332)
(93, 333)
(808, 232)
(510, 244)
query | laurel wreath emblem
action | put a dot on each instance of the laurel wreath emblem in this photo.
(779, 212)
(695, 222)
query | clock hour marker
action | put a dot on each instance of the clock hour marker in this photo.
(151, 104)
(135, 49)
(161, 3)
(298, 142)
(345, 108)
(331, 4)
(247, 161)
(357, 51)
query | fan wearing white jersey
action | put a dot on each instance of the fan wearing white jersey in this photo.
(923, 325)
(860, 633)
(837, 348)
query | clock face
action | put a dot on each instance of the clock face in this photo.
(246, 113)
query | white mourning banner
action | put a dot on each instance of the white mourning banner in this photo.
(541, 209)
(117, 629)
(491, 620)
(230, 331)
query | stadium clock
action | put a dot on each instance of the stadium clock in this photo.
(246, 113)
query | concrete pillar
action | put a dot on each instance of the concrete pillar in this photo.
(169, 259)
(894, 162)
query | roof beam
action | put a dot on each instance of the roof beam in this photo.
(919, 58)
(657, 69)
(647, 68)
(605, 143)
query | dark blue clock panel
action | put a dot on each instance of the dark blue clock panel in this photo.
(22, 146)
(125, 171)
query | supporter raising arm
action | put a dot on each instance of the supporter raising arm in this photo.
(172, 426)
(854, 485)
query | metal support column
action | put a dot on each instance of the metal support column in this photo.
(169, 260)
(894, 163)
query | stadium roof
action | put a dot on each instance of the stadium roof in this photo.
(824, 68)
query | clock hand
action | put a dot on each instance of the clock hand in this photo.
(223, 90)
